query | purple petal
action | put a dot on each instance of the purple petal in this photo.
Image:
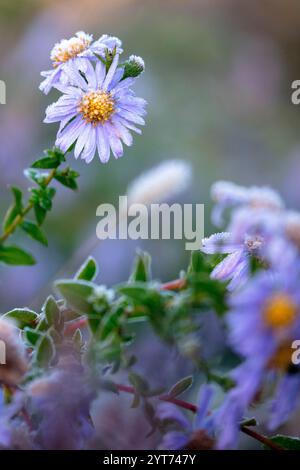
(103, 144)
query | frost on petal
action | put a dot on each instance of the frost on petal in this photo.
(103, 145)
(114, 141)
(219, 243)
(228, 266)
(110, 74)
(89, 150)
(68, 136)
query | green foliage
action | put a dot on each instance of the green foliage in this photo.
(34, 231)
(14, 210)
(286, 442)
(142, 268)
(45, 351)
(22, 316)
(53, 158)
(67, 177)
(88, 271)
(15, 256)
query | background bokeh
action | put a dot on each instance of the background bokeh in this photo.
(218, 82)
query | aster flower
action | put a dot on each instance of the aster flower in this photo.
(235, 266)
(77, 50)
(228, 195)
(97, 112)
(196, 436)
(263, 323)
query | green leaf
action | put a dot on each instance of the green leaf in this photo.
(52, 160)
(141, 270)
(88, 271)
(67, 177)
(198, 263)
(36, 176)
(32, 336)
(34, 232)
(39, 213)
(137, 292)
(22, 316)
(15, 256)
(182, 386)
(11, 214)
(287, 442)
(15, 209)
(18, 195)
(42, 324)
(45, 351)
(52, 312)
(77, 294)
(43, 197)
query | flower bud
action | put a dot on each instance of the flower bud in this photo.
(134, 66)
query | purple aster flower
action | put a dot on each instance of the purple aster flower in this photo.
(97, 112)
(196, 436)
(77, 50)
(254, 233)
(235, 266)
(263, 323)
(228, 195)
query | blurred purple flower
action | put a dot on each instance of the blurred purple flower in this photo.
(263, 323)
(196, 436)
(228, 195)
(61, 403)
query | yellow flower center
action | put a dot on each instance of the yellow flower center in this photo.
(280, 311)
(68, 49)
(96, 106)
(282, 358)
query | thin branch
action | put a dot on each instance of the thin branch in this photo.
(191, 407)
(19, 218)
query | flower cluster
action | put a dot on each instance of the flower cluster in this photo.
(262, 268)
(97, 109)
(240, 290)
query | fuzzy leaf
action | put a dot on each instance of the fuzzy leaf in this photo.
(32, 336)
(22, 316)
(52, 312)
(181, 386)
(45, 351)
(77, 294)
(141, 270)
(88, 271)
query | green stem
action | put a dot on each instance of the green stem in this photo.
(19, 218)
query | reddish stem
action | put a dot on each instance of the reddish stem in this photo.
(259, 437)
(168, 398)
(191, 407)
(174, 285)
